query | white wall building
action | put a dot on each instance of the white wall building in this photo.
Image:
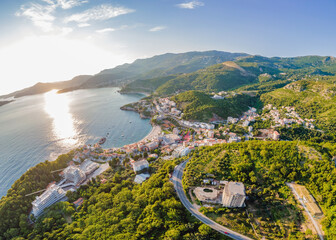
(53, 194)
(88, 166)
(140, 165)
(74, 174)
(141, 177)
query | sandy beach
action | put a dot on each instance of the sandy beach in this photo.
(156, 130)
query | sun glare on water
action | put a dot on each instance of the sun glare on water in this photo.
(57, 107)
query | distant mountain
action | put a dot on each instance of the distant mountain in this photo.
(46, 87)
(252, 72)
(170, 72)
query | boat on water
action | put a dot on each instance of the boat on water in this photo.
(102, 140)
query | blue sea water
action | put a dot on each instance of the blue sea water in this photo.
(41, 127)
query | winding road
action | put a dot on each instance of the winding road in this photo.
(177, 181)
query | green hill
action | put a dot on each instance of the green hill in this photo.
(159, 66)
(264, 168)
(200, 106)
(219, 77)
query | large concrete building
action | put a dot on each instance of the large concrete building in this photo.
(74, 174)
(234, 195)
(53, 194)
(88, 166)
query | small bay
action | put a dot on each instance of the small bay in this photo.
(41, 127)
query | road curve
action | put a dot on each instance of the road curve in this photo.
(177, 181)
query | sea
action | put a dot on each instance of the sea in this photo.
(41, 127)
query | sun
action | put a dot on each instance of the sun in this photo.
(52, 58)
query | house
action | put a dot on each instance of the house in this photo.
(245, 123)
(154, 155)
(233, 138)
(234, 195)
(78, 202)
(217, 97)
(140, 165)
(153, 145)
(211, 134)
(276, 135)
(139, 178)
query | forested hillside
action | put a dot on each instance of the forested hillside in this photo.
(248, 73)
(264, 168)
(200, 106)
(118, 209)
(313, 98)
(15, 206)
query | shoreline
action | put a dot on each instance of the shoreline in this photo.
(156, 130)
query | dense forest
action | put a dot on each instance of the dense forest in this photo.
(15, 206)
(264, 168)
(117, 209)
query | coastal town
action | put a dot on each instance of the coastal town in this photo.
(173, 137)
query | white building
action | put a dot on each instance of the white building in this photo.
(207, 195)
(140, 165)
(245, 123)
(53, 194)
(141, 177)
(217, 97)
(181, 151)
(74, 174)
(234, 195)
(88, 166)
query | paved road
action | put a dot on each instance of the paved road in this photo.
(177, 180)
(318, 230)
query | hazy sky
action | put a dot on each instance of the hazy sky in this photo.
(54, 40)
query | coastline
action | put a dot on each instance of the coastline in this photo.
(156, 130)
(134, 92)
(51, 148)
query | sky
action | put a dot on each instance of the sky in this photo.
(55, 40)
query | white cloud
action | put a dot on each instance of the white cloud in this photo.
(66, 4)
(105, 30)
(190, 5)
(42, 14)
(157, 28)
(81, 25)
(102, 12)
